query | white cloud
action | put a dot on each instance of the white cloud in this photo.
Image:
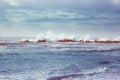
(12, 2)
(116, 1)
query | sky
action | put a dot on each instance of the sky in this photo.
(98, 18)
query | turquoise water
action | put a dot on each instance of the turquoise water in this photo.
(60, 61)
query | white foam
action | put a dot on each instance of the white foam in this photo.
(102, 76)
(108, 76)
(96, 70)
(50, 36)
(103, 39)
(27, 75)
(29, 39)
(117, 39)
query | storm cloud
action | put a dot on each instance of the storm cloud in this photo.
(72, 15)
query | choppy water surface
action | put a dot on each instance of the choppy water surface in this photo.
(60, 61)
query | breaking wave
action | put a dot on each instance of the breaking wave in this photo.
(53, 37)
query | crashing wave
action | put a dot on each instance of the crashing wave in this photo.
(52, 37)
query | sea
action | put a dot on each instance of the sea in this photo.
(60, 61)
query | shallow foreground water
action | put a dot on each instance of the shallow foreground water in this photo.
(60, 61)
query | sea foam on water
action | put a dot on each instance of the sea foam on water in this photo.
(61, 37)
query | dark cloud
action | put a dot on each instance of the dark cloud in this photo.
(52, 14)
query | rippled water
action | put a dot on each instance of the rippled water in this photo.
(60, 61)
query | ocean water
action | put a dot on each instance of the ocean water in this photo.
(60, 61)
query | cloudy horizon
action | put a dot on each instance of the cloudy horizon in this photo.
(98, 18)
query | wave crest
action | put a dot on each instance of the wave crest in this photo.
(52, 37)
(61, 37)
